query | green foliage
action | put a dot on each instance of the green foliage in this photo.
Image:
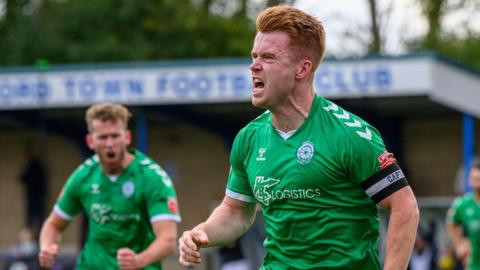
(77, 31)
(463, 48)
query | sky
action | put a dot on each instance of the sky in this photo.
(353, 15)
(405, 22)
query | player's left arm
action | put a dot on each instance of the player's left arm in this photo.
(386, 185)
(164, 215)
(164, 244)
(379, 175)
(402, 227)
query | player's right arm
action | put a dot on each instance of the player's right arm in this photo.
(455, 231)
(67, 206)
(227, 222)
(50, 237)
(232, 217)
(461, 244)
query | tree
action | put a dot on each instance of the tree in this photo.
(375, 45)
(460, 43)
(78, 31)
(433, 10)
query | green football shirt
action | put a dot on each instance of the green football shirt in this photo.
(119, 212)
(318, 188)
(465, 212)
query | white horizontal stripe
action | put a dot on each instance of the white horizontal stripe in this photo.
(240, 197)
(176, 218)
(61, 213)
(385, 182)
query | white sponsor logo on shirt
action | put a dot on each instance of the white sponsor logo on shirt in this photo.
(261, 152)
(474, 225)
(265, 191)
(102, 214)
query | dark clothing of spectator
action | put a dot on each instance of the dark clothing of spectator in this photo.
(34, 179)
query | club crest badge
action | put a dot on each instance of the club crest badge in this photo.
(305, 153)
(128, 189)
(95, 188)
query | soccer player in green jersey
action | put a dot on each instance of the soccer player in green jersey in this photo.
(130, 202)
(463, 221)
(317, 171)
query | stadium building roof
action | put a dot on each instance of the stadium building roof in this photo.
(409, 84)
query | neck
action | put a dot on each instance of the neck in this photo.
(476, 194)
(293, 112)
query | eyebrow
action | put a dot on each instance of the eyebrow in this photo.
(264, 54)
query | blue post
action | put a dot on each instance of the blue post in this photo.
(468, 145)
(142, 132)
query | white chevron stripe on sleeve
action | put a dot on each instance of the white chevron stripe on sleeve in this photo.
(366, 135)
(355, 123)
(331, 107)
(345, 115)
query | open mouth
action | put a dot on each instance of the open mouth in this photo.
(111, 154)
(258, 84)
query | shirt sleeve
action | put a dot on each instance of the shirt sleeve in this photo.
(69, 203)
(238, 186)
(161, 197)
(454, 213)
(362, 153)
(371, 165)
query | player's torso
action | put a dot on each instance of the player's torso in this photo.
(117, 216)
(288, 170)
(116, 211)
(305, 169)
(116, 208)
(110, 202)
(312, 208)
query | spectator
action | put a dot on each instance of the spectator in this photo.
(23, 254)
(423, 256)
(34, 179)
(26, 245)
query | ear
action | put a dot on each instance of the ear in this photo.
(89, 140)
(304, 69)
(128, 137)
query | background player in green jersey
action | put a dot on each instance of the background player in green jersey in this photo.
(130, 202)
(317, 171)
(463, 221)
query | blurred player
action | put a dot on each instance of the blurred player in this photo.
(130, 202)
(463, 221)
(317, 171)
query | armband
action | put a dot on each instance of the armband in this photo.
(384, 183)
